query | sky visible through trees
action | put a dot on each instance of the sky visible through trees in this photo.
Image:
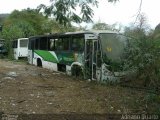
(123, 12)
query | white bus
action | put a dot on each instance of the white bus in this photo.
(20, 48)
(95, 54)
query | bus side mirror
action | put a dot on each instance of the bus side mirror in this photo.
(99, 59)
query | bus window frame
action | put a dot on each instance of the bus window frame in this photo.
(82, 37)
(62, 39)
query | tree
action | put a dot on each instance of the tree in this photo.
(28, 17)
(20, 24)
(139, 29)
(64, 11)
(31, 22)
(141, 23)
(9, 34)
(143, 55)
(101, 26)
(3, 17)
(53, 26)
(157, 32)
(104, 26)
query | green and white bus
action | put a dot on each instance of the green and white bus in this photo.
(87, 53)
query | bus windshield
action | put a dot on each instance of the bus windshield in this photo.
(113, 46)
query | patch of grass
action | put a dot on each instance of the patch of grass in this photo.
(153, 103)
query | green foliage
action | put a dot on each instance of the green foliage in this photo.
(3, 17)
(54, 27)
(64, 11)
(102, 26)
(152, 99)
(114, 65)
(157, 32)
(20, 24)
(27, 28)
(9, 34)
(143, 57)
(30, 20)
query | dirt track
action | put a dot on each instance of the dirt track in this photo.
(32, 90)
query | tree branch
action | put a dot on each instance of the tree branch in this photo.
(139, 11)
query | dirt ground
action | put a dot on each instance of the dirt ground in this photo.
(32, 90)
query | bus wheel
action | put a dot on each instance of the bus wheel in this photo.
(76, 71)
(39, 62)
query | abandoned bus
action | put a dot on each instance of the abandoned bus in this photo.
(20, 48)
(89, 53)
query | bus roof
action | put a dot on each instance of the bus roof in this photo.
(77, 32)
(91, 31)
(20, 39)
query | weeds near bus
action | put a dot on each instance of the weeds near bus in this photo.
(143, 57)
(151, 99)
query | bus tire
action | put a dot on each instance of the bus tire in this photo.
(39, 62)
(76, 71)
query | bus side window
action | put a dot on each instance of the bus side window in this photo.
(37, 41)
(43, 43)
(58, 44)
(32, 42)
(52, 44)
(77, 43)
(66, 43)
(62, 44)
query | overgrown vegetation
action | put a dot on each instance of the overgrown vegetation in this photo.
(144, 60)
(144, 56)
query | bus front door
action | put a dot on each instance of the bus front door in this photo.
(90, 59)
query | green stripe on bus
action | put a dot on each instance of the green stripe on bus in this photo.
(46, 55)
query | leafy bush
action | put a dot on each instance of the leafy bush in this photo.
(143, 56)
(153, 101)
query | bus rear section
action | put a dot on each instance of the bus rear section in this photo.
(20, 48)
